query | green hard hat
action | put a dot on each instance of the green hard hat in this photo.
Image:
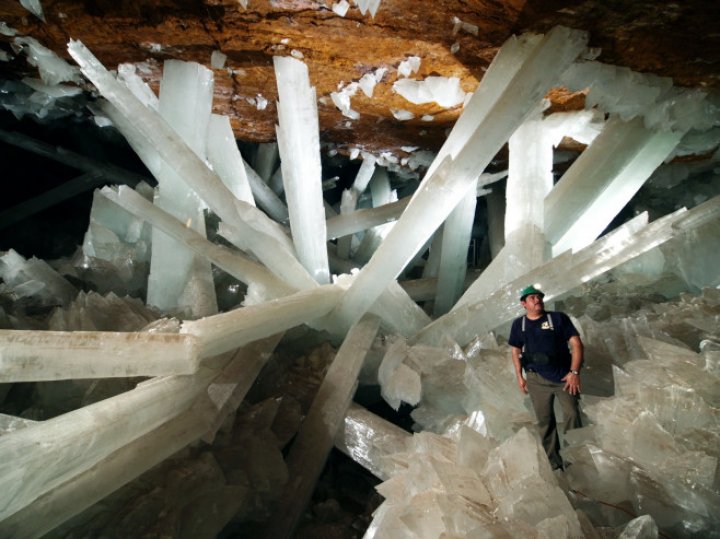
(530, 290)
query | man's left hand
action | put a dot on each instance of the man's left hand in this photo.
(572, 383)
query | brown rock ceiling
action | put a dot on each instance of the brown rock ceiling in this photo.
(679, 40)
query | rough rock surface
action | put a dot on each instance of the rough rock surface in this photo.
(679, 40)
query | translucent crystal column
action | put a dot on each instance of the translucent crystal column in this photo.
(453, 258)
(365, 218)
(299, 144)
(266, 197)
(382, 194)
(440, 191)
(224, 156)
(602, 181)
(179, 280)
(313, 443)
(65, 355)
(368, 439)
(348, 203)
(266, 160)
(113, 234)
(226, 331)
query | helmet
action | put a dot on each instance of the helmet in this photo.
(530, 290)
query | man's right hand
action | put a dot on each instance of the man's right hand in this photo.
(522, 383)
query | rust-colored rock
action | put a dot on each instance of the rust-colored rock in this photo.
(678, 40)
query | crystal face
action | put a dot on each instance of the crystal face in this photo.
(122, 384)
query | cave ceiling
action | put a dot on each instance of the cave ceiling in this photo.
(677, 40)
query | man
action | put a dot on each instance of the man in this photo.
(539, 342)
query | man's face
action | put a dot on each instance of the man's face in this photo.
(533, 304)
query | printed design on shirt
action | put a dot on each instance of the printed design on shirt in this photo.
(545, 325)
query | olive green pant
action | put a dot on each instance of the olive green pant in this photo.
(542, 395)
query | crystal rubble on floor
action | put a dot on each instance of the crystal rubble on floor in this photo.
(467, 487)
(120, 466)
(564, 273)
(449, 387)
(265, 284)
(299, 145)
(653, 445)
(696, 256)
(262, 236)
(90, 311)
(35, 280)
(442, 190)
(398, 381)
(311, 447)
(603, 180)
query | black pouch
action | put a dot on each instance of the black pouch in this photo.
(530, 359)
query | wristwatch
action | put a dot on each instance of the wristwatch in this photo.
(576, 373)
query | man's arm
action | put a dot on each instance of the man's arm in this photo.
(518, 368)
(572, 381)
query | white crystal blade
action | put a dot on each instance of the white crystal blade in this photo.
(457, 231)
(602, 180)
(178, 280)
(368, 439)
(299, 144)
(64, 355)
(224, 156)
(230, 330)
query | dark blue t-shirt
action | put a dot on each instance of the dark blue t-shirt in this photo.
(551, 339)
